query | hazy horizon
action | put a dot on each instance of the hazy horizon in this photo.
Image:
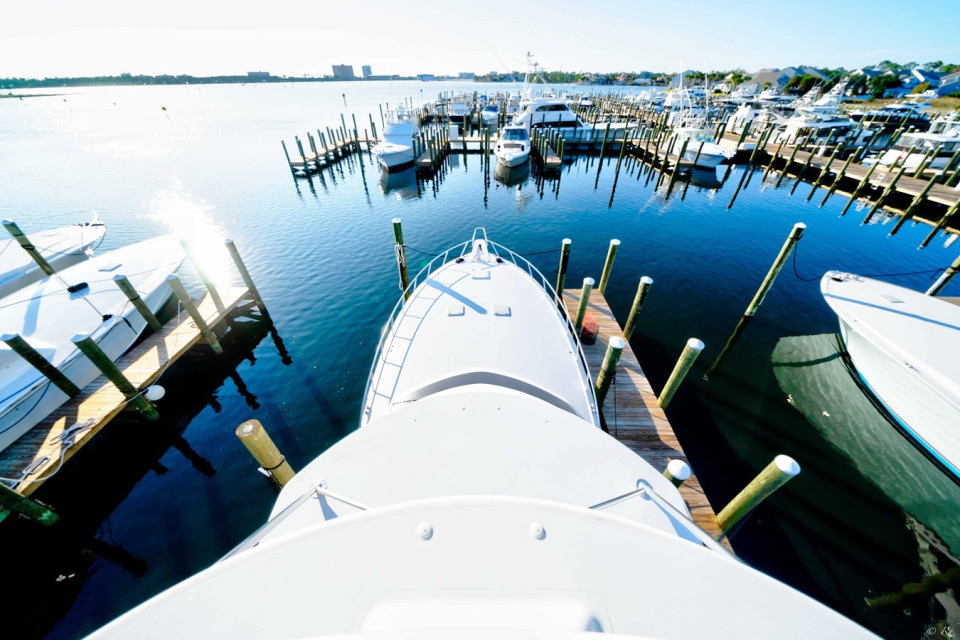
(106, 37)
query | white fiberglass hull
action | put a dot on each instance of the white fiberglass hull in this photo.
(906, 348)
(47, 316)
(392, 155)
(512, 157)
(61, 248)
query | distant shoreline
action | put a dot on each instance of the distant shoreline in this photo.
(161, 80)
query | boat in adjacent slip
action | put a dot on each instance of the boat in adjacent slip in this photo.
(905, 346)
(83, 299)
(395, 150)
(61, 248)
(513, 146)
(480, 498)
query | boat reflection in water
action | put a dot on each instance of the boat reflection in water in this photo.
(402, 184)
(818, 382)
(704, 178)
(511, 176)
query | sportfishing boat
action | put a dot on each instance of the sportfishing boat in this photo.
(513, 146)
(696, 142)
(936, 147)
(458, 107)
(395, 151)
(60, 247)
(905, 347)
(892, 116)
(81, 299)
(480, 498)
(490, 115)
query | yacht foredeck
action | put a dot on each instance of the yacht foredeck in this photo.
(480, 319)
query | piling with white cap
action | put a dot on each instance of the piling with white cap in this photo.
(609, 368)
(564, 260)
(584, 301)
(642, 289)
(608, 265)
(677, 472)
(687, 358)
(775, 475)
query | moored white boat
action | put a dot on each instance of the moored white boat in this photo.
(395, 150)
(480, 498)
(81, 299)
(905, 347)
(61, 248)
(513, 146)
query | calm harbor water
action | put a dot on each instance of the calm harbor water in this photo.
(149, 506)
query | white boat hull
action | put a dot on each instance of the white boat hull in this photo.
(28, 397)
(905, 347)
(61, 248)
(392, 155)
(512, 158)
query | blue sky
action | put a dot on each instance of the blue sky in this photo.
(296, 37)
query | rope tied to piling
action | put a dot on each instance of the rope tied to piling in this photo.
(933, 272)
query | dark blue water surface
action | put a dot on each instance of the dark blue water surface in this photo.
(149, 505)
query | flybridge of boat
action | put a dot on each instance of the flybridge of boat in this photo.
(485, 317)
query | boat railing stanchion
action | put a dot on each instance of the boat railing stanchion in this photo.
(690, 353)
(564, 261)
(774, 475)
(14, 230)
(608, 265)
(247, 280)
(204, 277)
(102, 361)
(258, 442)
(609, 368)
(184, 297)
(26, 351)
(582, 306)
(642, 290)
(677, 472)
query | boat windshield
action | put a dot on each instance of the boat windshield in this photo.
(515, 134)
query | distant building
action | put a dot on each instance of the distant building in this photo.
(258, 74)
(949, 83)
(425, 77)
(343, 72)
(466, 75)
(778, 78)
(366, 71)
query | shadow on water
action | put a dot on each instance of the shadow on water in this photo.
(101, 476)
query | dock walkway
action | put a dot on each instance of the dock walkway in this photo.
(40, 452)
(631, 412)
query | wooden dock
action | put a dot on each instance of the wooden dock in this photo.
(40, 452)
(631, 412)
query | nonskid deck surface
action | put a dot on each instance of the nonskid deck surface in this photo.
(479, 322)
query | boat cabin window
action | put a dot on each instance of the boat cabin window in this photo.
(553, 107)
(515, 134)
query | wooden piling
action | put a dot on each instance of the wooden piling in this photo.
(689, 355)
(134, 297)
(247, 280)
(23, 349)
(775, 268)
(823, 172)
(28, 246)
(258, 442)
(608, 265)
(32, 509)
(944, 278)
(638, 300)
(837, 179)
(913, 205)
(204, 277)
(285, 153)
(860, 187)
(401, 257)
(564, 261)
(609, 368)
(775, 475)
(101, 361)
(786, 167)
(191, 308)
(584, 301)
